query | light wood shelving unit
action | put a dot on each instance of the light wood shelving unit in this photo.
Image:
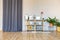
(29, 26)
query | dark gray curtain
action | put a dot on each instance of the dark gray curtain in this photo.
(12, 15)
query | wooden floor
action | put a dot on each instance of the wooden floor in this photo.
(29, 36)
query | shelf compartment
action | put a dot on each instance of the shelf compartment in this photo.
(29, 28)
(39, 28)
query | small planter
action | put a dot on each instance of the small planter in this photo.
(58, 29)
(51, 21)
(50, 24)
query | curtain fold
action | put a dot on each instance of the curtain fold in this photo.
(12, 15)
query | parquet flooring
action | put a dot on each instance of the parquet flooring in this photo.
(29, 36)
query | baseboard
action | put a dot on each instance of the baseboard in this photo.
(24, 30)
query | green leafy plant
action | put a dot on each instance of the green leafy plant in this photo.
(58, 24)
(51, 20)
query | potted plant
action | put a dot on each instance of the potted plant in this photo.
(58, 26)
(51, 21)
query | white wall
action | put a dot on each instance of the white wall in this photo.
(50, 8)
(1, 12)
(33, 7)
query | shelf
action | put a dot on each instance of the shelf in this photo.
(30, 30)
(39, 25)
(30, 25)
(34, 25)
(34, 20)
